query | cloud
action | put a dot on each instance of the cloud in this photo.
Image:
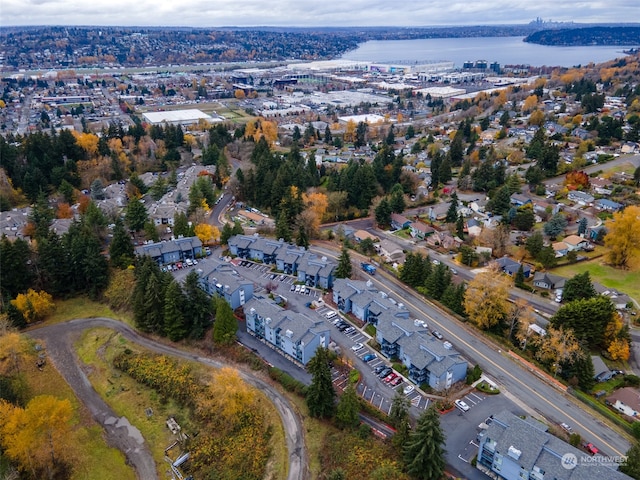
(202, 13)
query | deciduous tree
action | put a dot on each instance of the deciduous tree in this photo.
(486, 299)
(33, 305)
(623, 239)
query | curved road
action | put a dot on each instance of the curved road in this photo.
(120, 434)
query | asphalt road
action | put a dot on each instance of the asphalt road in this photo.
(527, 390)
(59, 343)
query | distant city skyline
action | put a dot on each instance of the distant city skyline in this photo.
(307, 13)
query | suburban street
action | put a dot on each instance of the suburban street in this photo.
(529, 392)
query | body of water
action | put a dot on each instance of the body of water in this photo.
(504, 50)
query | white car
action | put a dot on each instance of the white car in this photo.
(356, 347)
(461, 405)
(408, 389)
(189, 262)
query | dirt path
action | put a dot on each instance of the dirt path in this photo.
(120, 434)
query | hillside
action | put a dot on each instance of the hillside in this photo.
(626, 36)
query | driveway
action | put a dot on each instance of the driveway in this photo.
(119, 433)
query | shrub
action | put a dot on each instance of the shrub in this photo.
(287, 381)
(574, 439)
(486, 388)
(631, 380)
(473, 374)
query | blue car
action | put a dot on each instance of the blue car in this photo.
(368, 357)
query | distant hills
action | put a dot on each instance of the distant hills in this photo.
(610, 36)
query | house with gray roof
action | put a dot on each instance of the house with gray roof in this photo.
(512, 448)
(223, 280)
(608, 205)
(581, 198)
(294, 335)
(548, 281)
(172, 251)
(428, 360)
(511, 267)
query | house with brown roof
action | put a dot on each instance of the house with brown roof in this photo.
(574, 242)
(626, 400)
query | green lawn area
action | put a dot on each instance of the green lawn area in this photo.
(82, 307)
(404, 233)
(625, 281)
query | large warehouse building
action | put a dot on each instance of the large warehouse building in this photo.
(179, 117)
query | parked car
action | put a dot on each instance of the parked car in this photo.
(189, 262)
(566, 428)
(437, 334)
(384, 372)
(462, 405)
(590, 448)
(379, 369)
(357, 347)
(390, 377)
(348, 330)
(368, 357)
(408, 389)
(453, 271)
(293, 287)
(396, 381)
(435, 262)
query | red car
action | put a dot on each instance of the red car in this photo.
(591, 448)
(396, 381)
(390, 377)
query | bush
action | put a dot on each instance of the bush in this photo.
(486, 388)
(635, 430)
(354, 376)
(574, 439)
(631, 380)
(474, 461)
(473, 374)
(364, 431)
(287, 381)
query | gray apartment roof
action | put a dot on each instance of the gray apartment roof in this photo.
(224, 275)
(347, 288)
(537, 447)
(157, 249)
(427, 352)
(300, 326)
(393, 328)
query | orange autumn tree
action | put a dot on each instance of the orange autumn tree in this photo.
(577, 180)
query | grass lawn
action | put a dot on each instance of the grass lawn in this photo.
(404, 233)
(83, 307)
(93, 458)
(625, 281)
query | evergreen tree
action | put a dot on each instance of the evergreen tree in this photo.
(226, 234)
(555, 226)
(631, 466)
(344, 269)
(320, 394)
(41, 216)
(524, 218)
(15, 257)
(302, 239)
(578, 287)
(396, 202)
(198, 307)
(121, 248)
(390, 138)
(348, 408)
(383, 213)
(174, 318)
(399, 416)
(181, 226)
(501, 201)
(283, 229)
(225, 325)
(136, 215)
(328, 138)
(460, 227)
(582, 225)
(534, 244)
(453, 297)
(424, 450)
(452, 212)
(519, 278)
(547, 257)
(438, 281)
(445, 174)
(154, 295)
(588, 318)
(436, 162)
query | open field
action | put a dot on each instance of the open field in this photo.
(625, 281)
(83, 307)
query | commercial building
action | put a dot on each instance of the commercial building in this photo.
(293, 335)
(179, 117)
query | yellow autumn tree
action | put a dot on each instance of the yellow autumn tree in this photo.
(500, 99)
(623, 239)
(558, 346)
(88, 142)
(486, 300)
(619, 349)
(536, 117)
(38, 437)
(12, 347)
(239, 94)
(316, 203)
(34, 305)
(530, 103)
(350, 131)
(207, 233)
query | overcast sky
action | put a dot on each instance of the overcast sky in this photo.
(216, 13)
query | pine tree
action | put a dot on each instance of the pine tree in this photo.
(121, 248)
(383, 213)
(399, 415)
(198, 307)
(460, 227)
(344, 269)
(438, 281)
(424, 450)
(578, 287)
(283, 229)
(136, 215)
(174, 318)
(225, 325)
(519, 278)
(452, 212)
(328, 138)
(348, 408)
(320, 394)
(302, 239)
